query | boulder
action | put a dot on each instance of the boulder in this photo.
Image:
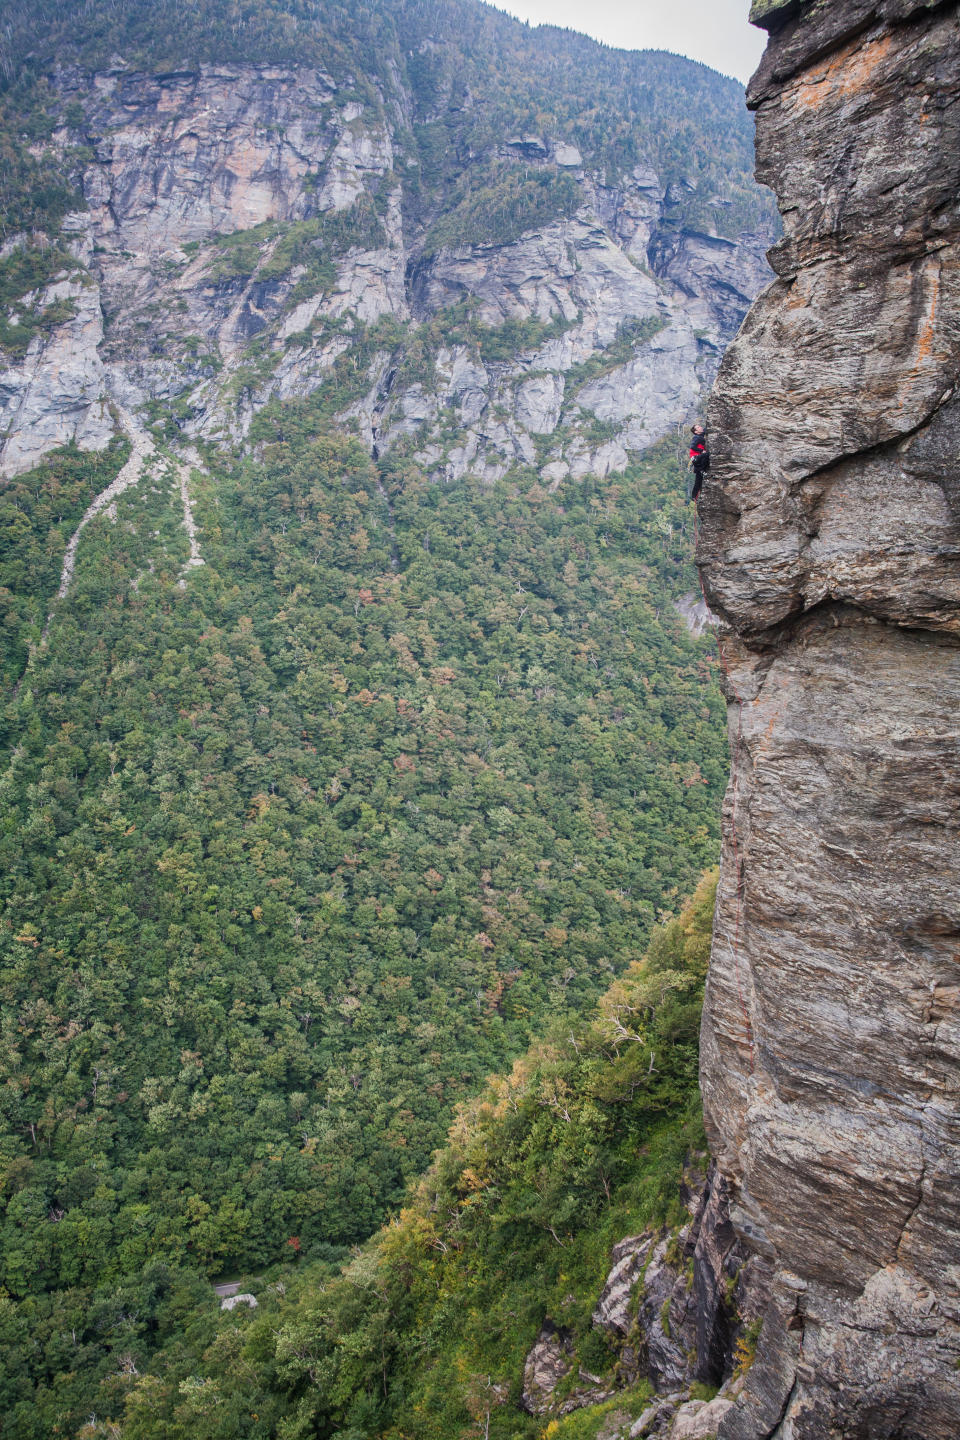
(699, 1421)
(615, 1309)
(232, 1301)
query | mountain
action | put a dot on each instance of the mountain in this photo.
(484, 247)
(354, 735)
(572, 1263)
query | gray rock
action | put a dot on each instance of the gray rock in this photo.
(57, 393)
(657, 1418)
(644, 1423)
(615, 1311)
(830, 530)
(676, 1303)
(183, 156)
(550, 1362)
(698, 1421)
(230, 1302)
(695, 612)
(731, 1287)
(530, 146)
(567, 155)
(721, 276)
(647, 394)
(667, 1320)
(538, 403)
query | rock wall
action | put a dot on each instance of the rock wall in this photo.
(829, 545)
(200, 299)
(673, 1307)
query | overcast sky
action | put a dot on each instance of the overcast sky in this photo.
(714, 31)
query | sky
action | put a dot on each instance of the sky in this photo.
(714, 31)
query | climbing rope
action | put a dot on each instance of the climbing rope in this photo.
(734, 839)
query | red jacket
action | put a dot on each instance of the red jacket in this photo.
(698, 450)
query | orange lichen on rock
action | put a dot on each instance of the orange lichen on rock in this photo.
(851, 71)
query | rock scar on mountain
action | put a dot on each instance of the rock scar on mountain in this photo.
(251, 236)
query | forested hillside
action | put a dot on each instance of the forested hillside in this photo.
(295, 855)
(352, 736)
(424, 1333)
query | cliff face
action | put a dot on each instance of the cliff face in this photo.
(250, 226)
(830, 547)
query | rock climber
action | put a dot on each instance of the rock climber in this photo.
(699, 460)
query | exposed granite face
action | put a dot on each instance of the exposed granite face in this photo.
(180, 157)
(830, 545)
(57, 391)
(673, 1306)
(549, 1364)
(847, 367)
(173, 316)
